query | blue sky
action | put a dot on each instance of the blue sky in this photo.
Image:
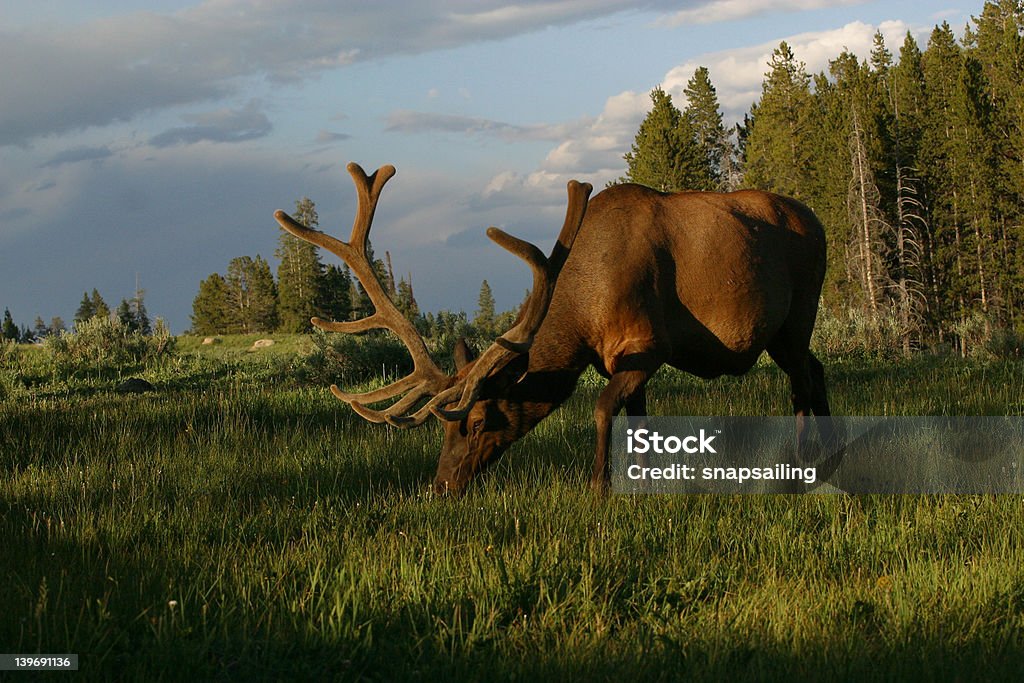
(158, 142)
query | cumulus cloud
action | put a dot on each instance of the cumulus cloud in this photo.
(738, 74)
(593, 149)
(222, 125)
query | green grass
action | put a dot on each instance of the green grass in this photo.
(236, 524)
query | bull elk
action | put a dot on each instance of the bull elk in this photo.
(701, 281)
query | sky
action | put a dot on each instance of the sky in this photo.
(152, 142)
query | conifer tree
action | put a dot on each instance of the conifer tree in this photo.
(702, 111)
(299, 273)
(210, 309)
(405, 300)
(9, 330)
(85, 309)
(251, 295)
(99, 306)
(664, 155)
(335, 292)
(125, 315)
(483, 321)
(778, 149)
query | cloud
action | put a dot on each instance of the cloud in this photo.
(77, 154)
(593, 149)
(406, 121)
(223, 125)
(738, 74)
(326, 136)
(731, 10)
(67, 77)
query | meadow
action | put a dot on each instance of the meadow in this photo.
(240, 523)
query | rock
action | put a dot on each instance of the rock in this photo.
(211, 340)
(262, 343)
(134, 385)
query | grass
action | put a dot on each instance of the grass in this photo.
(237, 524)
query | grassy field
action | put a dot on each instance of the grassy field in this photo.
(235, 524)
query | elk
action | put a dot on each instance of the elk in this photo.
(701, 281)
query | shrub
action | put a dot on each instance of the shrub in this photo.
(980, 336)
(105, 345)
(11, 383)
(346, 359)
(852, 333)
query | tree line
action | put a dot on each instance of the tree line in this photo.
(914, 162)
(248, 298)
(131, 313)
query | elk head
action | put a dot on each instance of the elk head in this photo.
(480, 420)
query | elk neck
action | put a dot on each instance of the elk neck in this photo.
(555, 366)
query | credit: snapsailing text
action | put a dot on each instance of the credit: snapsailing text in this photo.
(680, 472)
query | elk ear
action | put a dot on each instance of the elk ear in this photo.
(508, 375)
(462, 354)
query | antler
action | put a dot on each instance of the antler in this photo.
(426, 378)
(520, 337)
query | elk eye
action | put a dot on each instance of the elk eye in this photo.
(478, 426)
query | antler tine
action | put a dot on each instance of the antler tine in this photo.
(426, 378)
(545, 274)
(368, 189)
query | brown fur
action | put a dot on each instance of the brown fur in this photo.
(701, 281)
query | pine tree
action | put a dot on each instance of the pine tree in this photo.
(664, 155)
(86, 310)
(958, 158)
(251, 295)
(140, 317)
(124, 314)
(912, 274)
(999, 50)
(57, 325)
(99, 306)
(39, 328)
(9, 330)
(405, 300)
(210, 310)
(703, 113)
(483, 321)
(778, 149)
(299, 273)
(335, 300)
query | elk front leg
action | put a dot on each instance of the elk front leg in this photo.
(626, 387)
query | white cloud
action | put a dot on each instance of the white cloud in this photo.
(738, 74)
(593, 150)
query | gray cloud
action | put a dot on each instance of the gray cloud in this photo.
(58, 79)
(325, 136)
(223, 125)
(405, 121)
(71, 156)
